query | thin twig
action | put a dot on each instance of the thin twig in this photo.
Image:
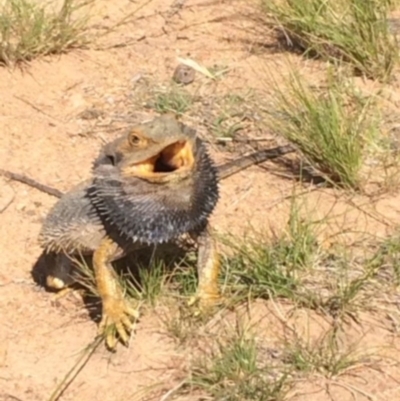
(170, 392)
(36, 108)
(75, 370)
(31, 182)
(9, 202)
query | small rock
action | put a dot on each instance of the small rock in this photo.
(184, 74)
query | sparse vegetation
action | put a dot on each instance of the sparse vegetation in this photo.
(29, 29)
(235, 364)
(293, 266)
(172, 100)
(388, 257)
(180, 324)
(327, 355)
(347, 293)
(232, 111)
(236, 370)
(354, 31)
(262, 269)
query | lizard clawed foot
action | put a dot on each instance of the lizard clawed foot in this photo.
(117, 320)
(77, 293)
(204, 303)
(62, 288)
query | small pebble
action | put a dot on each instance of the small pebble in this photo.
(184, 74)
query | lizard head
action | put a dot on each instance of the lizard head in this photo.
(155, 183)
(159, 150)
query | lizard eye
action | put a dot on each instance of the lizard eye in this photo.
(134, 139)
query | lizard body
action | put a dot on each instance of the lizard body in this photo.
(149, 186)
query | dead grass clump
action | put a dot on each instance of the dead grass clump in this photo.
(29, 29)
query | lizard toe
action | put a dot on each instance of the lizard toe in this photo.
(117, 321)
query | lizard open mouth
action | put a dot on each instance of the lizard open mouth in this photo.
(175, 157)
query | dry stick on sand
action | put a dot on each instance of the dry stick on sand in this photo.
(31, 182)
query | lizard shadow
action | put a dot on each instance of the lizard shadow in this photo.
(131, 267)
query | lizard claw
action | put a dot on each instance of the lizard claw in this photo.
(117, 320)
(202, 304)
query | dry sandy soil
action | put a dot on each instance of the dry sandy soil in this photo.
(45, 136)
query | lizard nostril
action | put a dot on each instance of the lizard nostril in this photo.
(110, 160)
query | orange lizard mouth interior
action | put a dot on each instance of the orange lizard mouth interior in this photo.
(174, 157)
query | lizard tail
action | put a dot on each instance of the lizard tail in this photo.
(260, 156)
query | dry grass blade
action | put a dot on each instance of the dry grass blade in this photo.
(327, 356)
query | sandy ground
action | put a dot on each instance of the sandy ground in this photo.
(44, 137)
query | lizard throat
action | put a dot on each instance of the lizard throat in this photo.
(171, 161)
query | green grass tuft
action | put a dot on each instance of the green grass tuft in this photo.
(333, 127)
(173, 100)
(354, 31)
(261, 269)
(235, 371)
(29, 30)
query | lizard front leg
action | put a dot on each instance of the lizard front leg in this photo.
(208, 268)
(117, 312)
